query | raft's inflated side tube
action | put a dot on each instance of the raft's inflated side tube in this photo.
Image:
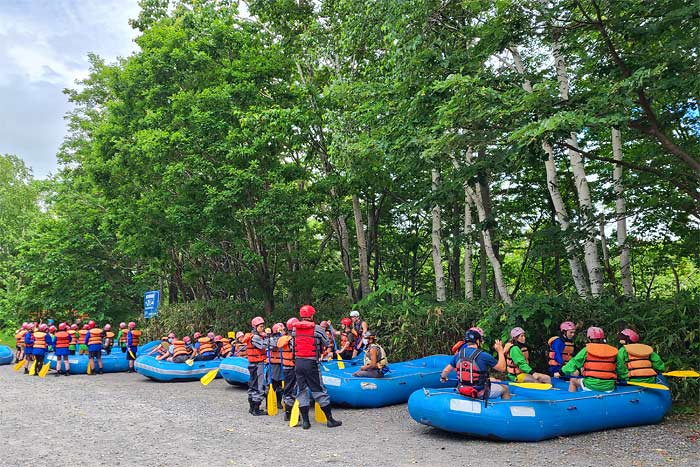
(394, 388)
(161, 370)
(532, 415)
(235, 370)
(6, 355)
(115, 362)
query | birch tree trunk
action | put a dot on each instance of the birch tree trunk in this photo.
(621, 216)
(562, 215)
(467, 231)
(475, 195)
(361, 247)
(590, 248)
(440, 293)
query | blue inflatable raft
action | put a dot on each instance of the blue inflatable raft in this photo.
(164, 371)
(394, 388)
(235, 370)
(115, 362)
(6, 355)
(532, 415)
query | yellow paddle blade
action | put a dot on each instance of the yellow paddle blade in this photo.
(271, 402)
(682, 374)
(341, 364)
(20, 364)
(294, 416)
(44, 369)
(89, 368)
(231, 335)
(209, 377)
(190, 362)
(32, 369)
(538, 386)
(132, 354)
(648, 385)
(282, 384)
(319, 415)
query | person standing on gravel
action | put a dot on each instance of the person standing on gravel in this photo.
(132, 342)
(309, 342)
(93, 339)
(257, 358)
(286, 347)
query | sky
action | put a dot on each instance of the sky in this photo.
(43, 49)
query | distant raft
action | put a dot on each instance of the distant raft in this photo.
(235, 370)
(6, 355)
(532, 415)
(394, 388)
(164, 371)
(115, 362)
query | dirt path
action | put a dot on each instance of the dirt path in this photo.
(124, 419)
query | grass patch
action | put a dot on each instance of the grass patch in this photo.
(7, 338)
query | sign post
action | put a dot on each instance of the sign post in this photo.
(150, 303)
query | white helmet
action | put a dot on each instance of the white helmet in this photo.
(354, 314)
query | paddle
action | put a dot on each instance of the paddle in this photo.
(190, 362)
(32, 368)
(89, 367)
(341, 364)
(648, 385)
(537, 386)
(294, 416)
(271, 401)
(231, 334)
(132, 354)
(682, 374)
(44, 370)
(209, 377)
(319, 416)
(20, 364)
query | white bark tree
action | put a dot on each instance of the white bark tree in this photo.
(361, 246)
(467, 231)
(621, 216)
(440, 292)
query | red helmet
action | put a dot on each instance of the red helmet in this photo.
(108, 327)
(277, 327)
(306, 311)
(52, 328)
(217, 338)
(239, 334)
(43, 327)
(211, 335)
(630, 334)
(567, 326)
(186, 339)
(323, 324)
(74, 327)
(257, 321)
(291, 322)
(30, 326)
(197, 335)
(91, 323)
(132, 324)
(122, 325)
(346, 322)
(478, 330)
(595, 333)
(516, 331)
(85, 327)
(64, 326)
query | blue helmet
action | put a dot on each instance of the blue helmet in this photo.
(472, 337)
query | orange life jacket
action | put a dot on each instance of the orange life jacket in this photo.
(179, 348)
(135, 333)
(240, 349)
(600, 361)
(511, 367)
(73, 337)
(456, 347)
(205, 345)
(122, 336)
(62, 340)
(81, 336)
(566, 354)
(225, 349)
(19, 337)
(95, 336)
(39, 340)
(284, 343)
(254, 354)
(109, 334)
(638, 361)
(275, 356)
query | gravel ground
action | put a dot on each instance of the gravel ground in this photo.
(124, 419)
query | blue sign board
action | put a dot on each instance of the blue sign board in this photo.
(150, 303)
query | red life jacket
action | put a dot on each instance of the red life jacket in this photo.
(62, 340)
(511, 367)
(566, 354)
(601, 361)
(468, 372)
(304, 340)
(638, 361)
(95, 337)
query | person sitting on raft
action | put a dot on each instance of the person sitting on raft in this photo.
(376, 363)
(347, 339)
(182, 351)
(472, 366)
(561, 347)
(329, 352)
(459, 344)
(239, 346)
(224, 346)
(598, 361)
(163, 349)
(637, 362)
(517, 360)
(205, 349)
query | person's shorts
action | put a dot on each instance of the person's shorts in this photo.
(129, 354)
(62, 352)
(95, 354)
(180, 359)
(497, 390)
(584, 388)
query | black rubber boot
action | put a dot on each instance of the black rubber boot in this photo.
(26, 371)
(100, 371)
(280, 396)
(256, 410)
(58, 373)
(332, 423)
(67, 373)
(252, 406)
(305, 417)
(287, 413)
